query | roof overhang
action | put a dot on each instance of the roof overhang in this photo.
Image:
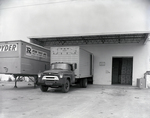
(132, 38)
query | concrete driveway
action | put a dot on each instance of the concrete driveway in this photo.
(95, 101)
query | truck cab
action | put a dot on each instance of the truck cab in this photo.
(60, 75)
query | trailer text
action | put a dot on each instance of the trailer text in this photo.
(8, 47)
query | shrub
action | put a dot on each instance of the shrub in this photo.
(9, 79)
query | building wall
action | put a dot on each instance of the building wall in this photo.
(20, 19)
(104, 53)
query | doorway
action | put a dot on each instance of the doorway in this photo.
(122, 70)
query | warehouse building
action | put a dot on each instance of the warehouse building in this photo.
(116, 32)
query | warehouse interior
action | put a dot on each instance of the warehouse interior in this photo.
(122, 70)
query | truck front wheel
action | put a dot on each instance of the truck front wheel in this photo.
(66, 86)
(43, 88)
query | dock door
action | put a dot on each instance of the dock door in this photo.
(122, 70)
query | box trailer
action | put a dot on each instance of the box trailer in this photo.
(74, 54)
(20, 59)
(69, 65)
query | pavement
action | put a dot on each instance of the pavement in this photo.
(95, 101)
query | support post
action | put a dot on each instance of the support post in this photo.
(15, 76)
(35, 81)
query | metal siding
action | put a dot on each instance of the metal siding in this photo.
(33, 63)
(31, 66)
(9, 58)
(36, 56)
(85, 63)
(66, 54)
(9, 65)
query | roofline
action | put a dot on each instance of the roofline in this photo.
(89, 34)
(147, 38)
(25, 42)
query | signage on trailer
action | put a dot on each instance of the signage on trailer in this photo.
(8, 47)
(65, 50)
(33, 52)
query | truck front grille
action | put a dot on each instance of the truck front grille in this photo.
(46, 77)
(53, 74)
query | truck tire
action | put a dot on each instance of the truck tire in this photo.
(43, 88)
(84, 83)
(66, 86)
(81, 83)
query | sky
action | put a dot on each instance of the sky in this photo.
(21, 19)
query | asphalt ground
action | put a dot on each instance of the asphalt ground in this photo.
(95, 101)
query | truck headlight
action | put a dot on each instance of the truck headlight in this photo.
(39, 75)
(61, 75)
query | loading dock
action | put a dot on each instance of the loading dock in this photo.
(121, 47)
(122, 70)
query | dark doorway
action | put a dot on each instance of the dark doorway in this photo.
(122, 71)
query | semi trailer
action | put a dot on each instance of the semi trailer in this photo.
(69, 65)
(20, 59)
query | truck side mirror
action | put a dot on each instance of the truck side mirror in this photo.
(74, 65)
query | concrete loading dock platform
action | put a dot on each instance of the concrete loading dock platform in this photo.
(96, 101)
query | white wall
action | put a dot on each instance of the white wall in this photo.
(20, 19)
(104, 53)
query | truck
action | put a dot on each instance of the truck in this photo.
(69, 65)
(21, 59)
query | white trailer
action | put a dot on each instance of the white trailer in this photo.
(75, 54)
(21, 59)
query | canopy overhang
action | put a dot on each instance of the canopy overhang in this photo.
(133, 38)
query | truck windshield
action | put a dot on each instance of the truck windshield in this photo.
(60, 66)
